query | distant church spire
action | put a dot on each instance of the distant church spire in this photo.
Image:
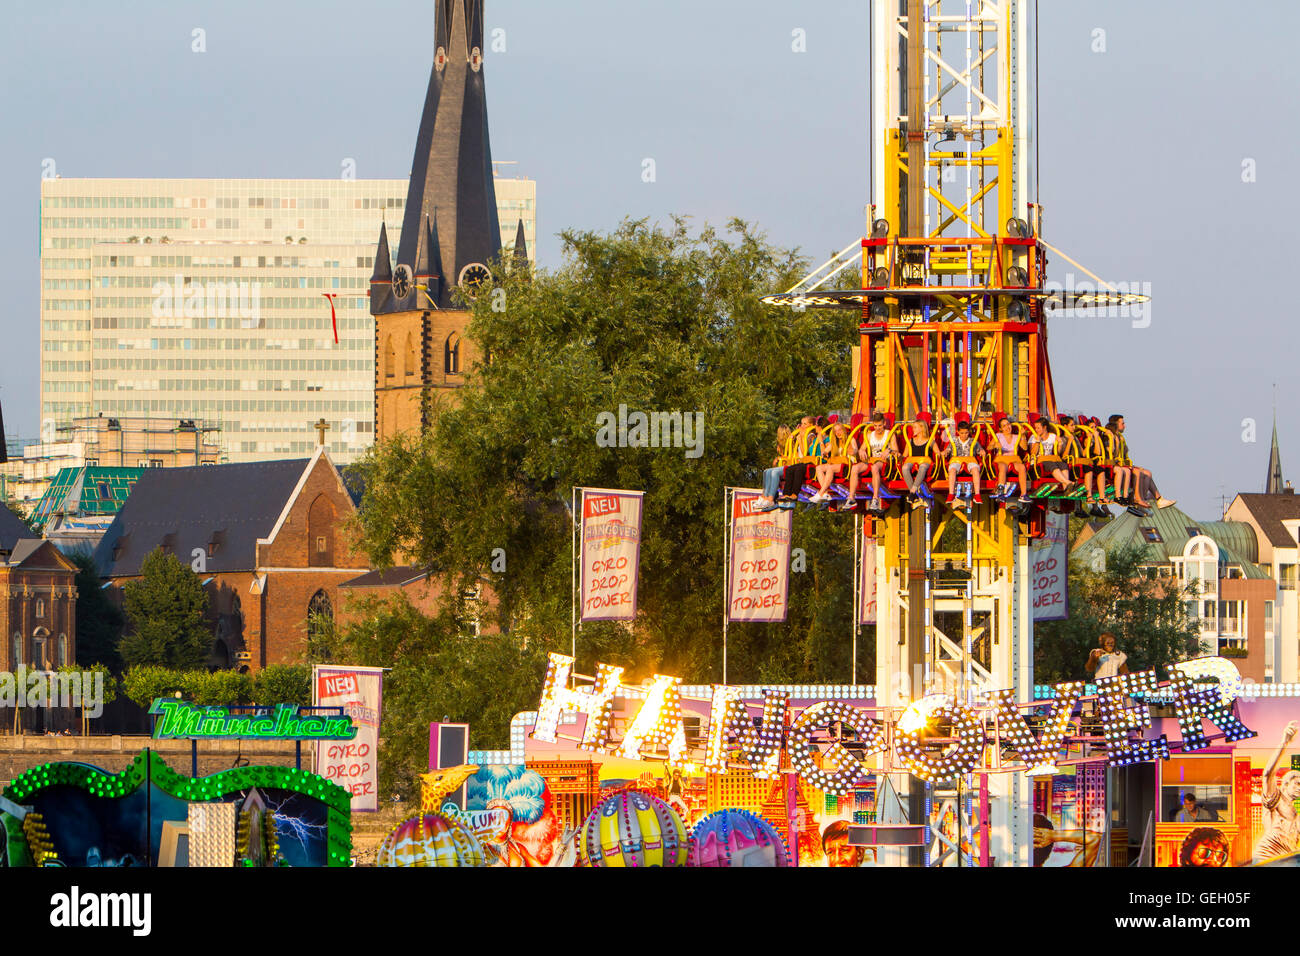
(1274, 484)
(452, 168)
(521, 248)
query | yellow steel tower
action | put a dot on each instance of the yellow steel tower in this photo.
(952, 309)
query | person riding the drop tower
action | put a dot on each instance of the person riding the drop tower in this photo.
(964, 454)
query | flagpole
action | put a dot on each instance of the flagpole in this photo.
(726, 571)
(573, 583)
(857, 592)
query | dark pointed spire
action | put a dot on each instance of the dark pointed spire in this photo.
(521, 248)
(1274, 484)
(428, 272)
(381, 279)
(383, 260)
(452, 167)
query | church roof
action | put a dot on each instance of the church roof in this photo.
(184, 509)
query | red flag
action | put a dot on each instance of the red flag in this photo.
(333, 320)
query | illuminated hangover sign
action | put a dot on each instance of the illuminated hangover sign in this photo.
(936, 737)
(181, 720)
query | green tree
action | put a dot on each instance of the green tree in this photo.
(439, 671)
(1147, 614)
(167, 610)
(99, 620)
(654, 320)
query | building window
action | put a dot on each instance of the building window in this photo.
(451, 356)
(40, 608)
(409, 366)
(1286, 577)
(1268, 618)
(390, 358)
(17, 650)
(1152, 535)
(320, 544)
(320, 616)
(63, 650)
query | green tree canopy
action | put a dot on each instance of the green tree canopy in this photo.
(167, 610)
(99, 620)
(649, 319)
(1147, 614)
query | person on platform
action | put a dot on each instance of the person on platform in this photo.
(1191, 812)
(841, 459)
(964, 454)
(916, 462)
(835, 844)
(1281, 826)
(1045, 449)
(1008, 455)
(1106, 660)
(1205, 846)
(772, 476)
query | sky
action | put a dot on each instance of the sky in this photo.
(1164, 151)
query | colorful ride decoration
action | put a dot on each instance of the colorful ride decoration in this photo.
(633, 829)
(430, 839)
(49, 813)
(734, 837)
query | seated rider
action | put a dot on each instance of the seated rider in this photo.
(806, 444)
(840, 458)
(1144, 485)
(916, 463)
(772, 476)
(879, 447)
(1045, 448)
(1008, 453)
(1089, 456)
(1121, 465)
(964, 454)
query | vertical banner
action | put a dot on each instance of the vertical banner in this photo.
(867, 583)
(1048, 563)
(611, 553)
(758, 588)
(352, 764)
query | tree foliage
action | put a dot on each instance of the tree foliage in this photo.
(1147, 614)
(277, 684)
(99, 620)
(167, 609)
(439, 671)
(649, 319)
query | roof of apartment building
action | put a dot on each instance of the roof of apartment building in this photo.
(1270, 511)
(12, 530)
(1164, 533)
(87, 491)
(184, 509)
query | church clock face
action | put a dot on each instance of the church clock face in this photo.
(403, 281)
(473, 277)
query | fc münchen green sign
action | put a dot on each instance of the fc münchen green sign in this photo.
(180, 720)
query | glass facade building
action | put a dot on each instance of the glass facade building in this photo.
(211, 299)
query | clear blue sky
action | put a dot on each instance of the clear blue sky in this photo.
(1142, 149)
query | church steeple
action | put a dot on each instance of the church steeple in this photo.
(1274, 485)
(521, 248)
(452, 168)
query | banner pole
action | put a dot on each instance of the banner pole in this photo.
(573, 584)
(857, 592)
(726, 571)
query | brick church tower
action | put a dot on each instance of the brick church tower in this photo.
(450, 234)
